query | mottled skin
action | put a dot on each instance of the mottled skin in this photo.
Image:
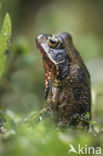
(67, 81)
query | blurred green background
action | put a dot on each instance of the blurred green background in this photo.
(22, 85)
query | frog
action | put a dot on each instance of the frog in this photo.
(67, 79)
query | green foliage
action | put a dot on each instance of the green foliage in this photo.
(4, 41)
(42, 137)
(21, 46)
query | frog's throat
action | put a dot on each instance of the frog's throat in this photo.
(51, 69)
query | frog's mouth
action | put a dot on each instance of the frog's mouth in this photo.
(48, 62)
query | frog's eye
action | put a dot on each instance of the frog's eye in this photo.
(53, 42)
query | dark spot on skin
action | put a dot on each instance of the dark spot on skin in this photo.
(63, 69)
(47, 90)
(82, 77)
(82, 108)
(77, 92)
(59, 57)
(81, 74)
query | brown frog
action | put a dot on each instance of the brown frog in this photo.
(67, 80)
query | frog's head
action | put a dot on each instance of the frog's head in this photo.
(53, 50)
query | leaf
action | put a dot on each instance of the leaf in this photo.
(87, 115)
(92, 122)
(5, 36)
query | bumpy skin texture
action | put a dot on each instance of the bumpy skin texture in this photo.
(67, 80)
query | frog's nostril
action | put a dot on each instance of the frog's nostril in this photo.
(39, 37)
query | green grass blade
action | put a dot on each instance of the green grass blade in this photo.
(5, 36)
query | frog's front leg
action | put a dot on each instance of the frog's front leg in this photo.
(53, 98)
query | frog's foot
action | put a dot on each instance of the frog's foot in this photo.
(76, 120)
(79, 121)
